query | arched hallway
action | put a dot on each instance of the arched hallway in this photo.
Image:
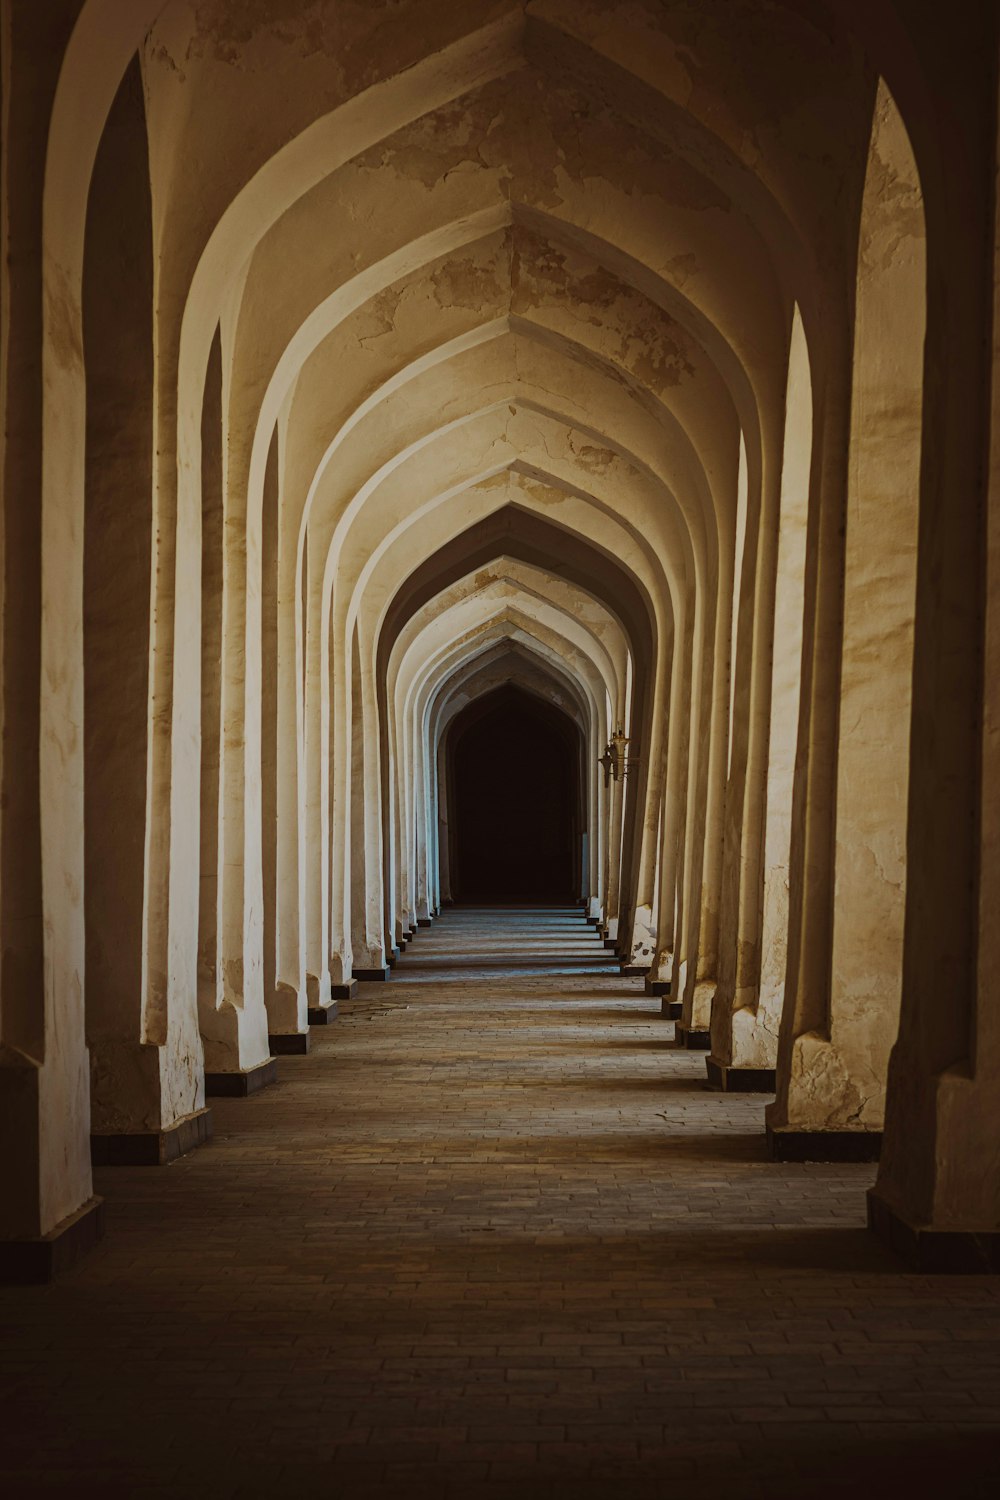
(455, 455)
(496, 1237)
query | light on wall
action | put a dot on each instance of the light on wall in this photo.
(615, 759)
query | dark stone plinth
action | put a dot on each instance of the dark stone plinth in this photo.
(153, 1148)
(633, 971)
(656, 986)
(593, 921)
(824, 1145)
(288, 1043)
(692, 1039)
(671, 1010)
(424, 921)
(368, 976)
(410, 934)
(324, 1015)
(730, 1080)
(948, 1252)
(611, 943)
(346, 991)
(239, 1084)
(33, 1262)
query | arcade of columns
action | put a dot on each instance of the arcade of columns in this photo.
(359, 359)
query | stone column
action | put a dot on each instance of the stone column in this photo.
(289, 760)
(49, 1212)
(654, 766)
(745, 1018)
(237, 1056)
(696, 982)
(831, 1095)
(751, 625)
(338, 760)
(285, 1002)
(937, 1197)
(316, 888)
(686, 703)
(696, 959)
(132, 1121)
(369, 959)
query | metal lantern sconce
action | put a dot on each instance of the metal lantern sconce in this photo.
(615, 760)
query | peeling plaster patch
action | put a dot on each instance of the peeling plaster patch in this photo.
(755, 1032)
(826, 1095)
(464, 283)
(232, 980)
(398, 324)
(379, 315)
(543, 140)
(493, 482)
(162, 54)
(357, 42)
(468, 133)
(226, 32)
(780, 90)
(643, 935)
(636, 333)
(542, 494)
(594, 459)
(682, 268)
(899, 222)
(640, 166)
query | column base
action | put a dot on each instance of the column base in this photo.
(322, 1015)
(611, 944)
(656, 986)
(34, 1262)
(424, 921)
(368, 976)
(288, 1043)
(784, 1144)
(392, 959)
(692, 1039)
(153, 1148)
(730, 1080)
(238, 1085)
(948, 1252)
(348, 991)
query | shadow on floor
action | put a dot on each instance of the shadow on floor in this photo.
(662, 1043)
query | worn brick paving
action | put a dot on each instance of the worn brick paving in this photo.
(494, 1237)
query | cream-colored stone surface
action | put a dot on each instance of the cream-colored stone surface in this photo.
(631, 353)
(838, 1075)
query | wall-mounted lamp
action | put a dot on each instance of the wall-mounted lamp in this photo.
(615, 760)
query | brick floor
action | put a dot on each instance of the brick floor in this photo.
(494, 1237)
